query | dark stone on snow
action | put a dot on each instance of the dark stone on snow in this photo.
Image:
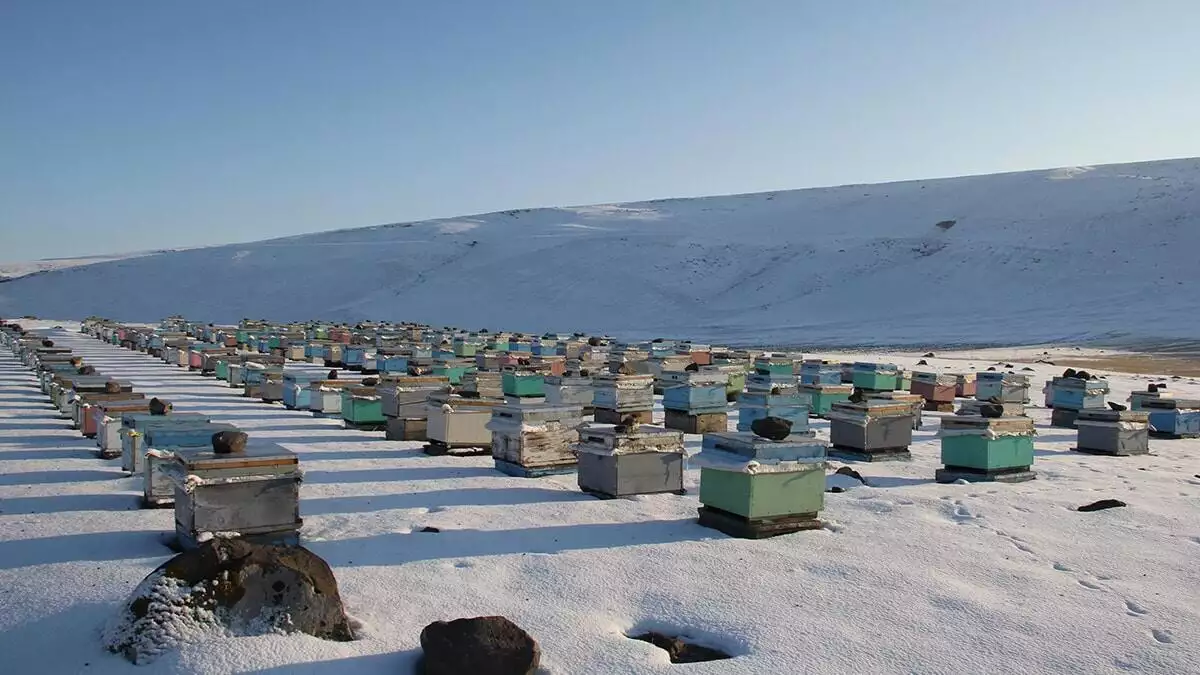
(1009, 365)
(486, 645)
(680, 651)
(1083, 375)
(857, 396)
(87, 370)
(836, 489)
(1070, 372)
(774, 428)
(332, 375)
(159, 406)
(469, 394)
(247, 588)
(847, 471)
(430, 529)
(1101, 505)
(922, 362)
(928, 355)
(1027, 368)
(1117, 406)
(1176, 377)
(1152, 387)
(47, 343)
(991, 410)
(628, 424)
(584, 372)
(991, 367)
(657, 340)
(370, 381)
(593, 342)
(112, 387)
(229, 442)
(692, 367)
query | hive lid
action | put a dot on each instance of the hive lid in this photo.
(135, 420)
(874, 407)
(1108, 415)
(1172, 403)
(827, 388)
(256, 455)
(977, 423)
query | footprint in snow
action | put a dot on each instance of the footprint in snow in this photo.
(1135, 609)
(1165, 637)
(1090, 584)
(1062, 568)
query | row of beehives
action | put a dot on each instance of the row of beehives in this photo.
(252, 490)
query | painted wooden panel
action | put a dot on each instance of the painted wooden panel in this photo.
(763, 495)
(823, 396)
(696, 399)
(523, 384)
(631, 474)
(987, 454)
(1003, 386)
(792, 407)
(1073, 393)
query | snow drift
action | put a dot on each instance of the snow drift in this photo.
(1039, 256)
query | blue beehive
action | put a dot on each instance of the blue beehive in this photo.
(1173, 417)
(792, 407)
(817, 371)
(391, 364)
(1005, 387)
(354, 357)
(295, 388)
(1073, 393)
(696, 399)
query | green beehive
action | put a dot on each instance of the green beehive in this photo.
(763, 495)
(524, 385)
(453, 373)
(978, 448)
(825, 395)
(362, 408)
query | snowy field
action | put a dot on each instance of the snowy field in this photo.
(908, 577)
(1059, 256)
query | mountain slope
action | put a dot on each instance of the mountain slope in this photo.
(1065, 254)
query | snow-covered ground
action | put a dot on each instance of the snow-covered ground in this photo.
(909, 576)
(1040, 256)
(12, 270)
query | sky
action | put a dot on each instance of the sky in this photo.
(129, 125)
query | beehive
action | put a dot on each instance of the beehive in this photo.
(978, 448)
(1111, 432)
(530, 440)
(619, 462)
(872, 430)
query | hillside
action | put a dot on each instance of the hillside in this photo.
(14, 270)
(1058, 255)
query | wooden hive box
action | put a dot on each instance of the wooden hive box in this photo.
(1011, 408)
(1173, 417)
(325, 396)
(823, 396)
(83, 404)
(485, 383)
(753, 487)
(130, 441)
(523, 385)
(296, 394)
(362, 408)
(159, 443)
(764, 382)
(818, 371)
(875, 376)
(696, 399)
(354, 357)
(792, 407)
(915, 401)
(986, 449)
(1138, 399)
(530, 440)
(391, 363)
(255, 494)
(456, 422)
(935, 387)
(271, 388)
(1110, 432)
(570, 390)
(1005, 387)
(645, 460)
(1073, 393)
(405, 396)
(873, 430)
(110, 412)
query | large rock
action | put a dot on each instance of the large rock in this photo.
(485, 645)
(229, 587)
(159, 406)
(774, 428)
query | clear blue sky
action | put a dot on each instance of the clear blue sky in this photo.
(136, 124)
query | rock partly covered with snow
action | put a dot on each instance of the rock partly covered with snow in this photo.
(229, 587)
(485, 645)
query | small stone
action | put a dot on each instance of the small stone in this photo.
(773, 428)
(682, 652)
(593, 342)
(112, 387)
(1070, 372)
(922, 362)
(627, 369)
(991, 410)
(991, 367)
(1083, 375)
(332, 375)
(1009, 365)
(847, 471)
(836, 489)
(159, 406)
(692, 367)
(928, 355)
(1101, 505)
(487, 645)
(87, 370)
(430, 529)
(1117, 406)
(1027, 368)
(370, 381)
(229, 442)
(47, 343)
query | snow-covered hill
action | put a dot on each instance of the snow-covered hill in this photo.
(1065, 254)
(14, 270)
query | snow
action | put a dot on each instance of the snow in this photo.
(907, 576)
(1063, 255)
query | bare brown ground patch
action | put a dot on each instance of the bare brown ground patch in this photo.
(1140, 364)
